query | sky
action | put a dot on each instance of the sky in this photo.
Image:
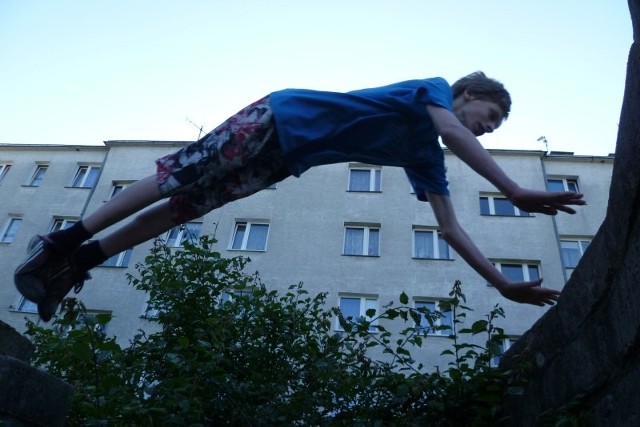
(83, 72)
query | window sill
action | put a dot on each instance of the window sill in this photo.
(432, 259)
(508, 216)
(15, 310)
(364, 191)
(361, 256)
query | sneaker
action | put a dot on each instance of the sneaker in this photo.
(32, 275)
(64, 278)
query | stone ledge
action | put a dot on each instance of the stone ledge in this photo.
(31, 397)
(14, 344)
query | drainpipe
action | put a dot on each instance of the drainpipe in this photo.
(93, 189)
(553, 219)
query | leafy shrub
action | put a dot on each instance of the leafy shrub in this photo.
(230, 352)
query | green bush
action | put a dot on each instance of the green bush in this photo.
(231, 352)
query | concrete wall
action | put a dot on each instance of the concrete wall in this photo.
(307, 218)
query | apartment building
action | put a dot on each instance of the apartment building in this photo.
(355, 231)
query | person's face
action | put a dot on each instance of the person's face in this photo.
(478, 115)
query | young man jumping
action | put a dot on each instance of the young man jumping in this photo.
(284, 134)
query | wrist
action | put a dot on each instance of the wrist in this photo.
(500, 284)
(510, 190)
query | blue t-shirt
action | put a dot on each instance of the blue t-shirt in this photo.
(387, 126)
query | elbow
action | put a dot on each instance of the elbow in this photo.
(451, 232)
(447, 234)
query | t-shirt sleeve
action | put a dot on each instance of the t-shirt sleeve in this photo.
(435, 91)
(428, 178)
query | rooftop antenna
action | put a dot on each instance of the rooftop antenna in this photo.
(199, 128)
(545, 142)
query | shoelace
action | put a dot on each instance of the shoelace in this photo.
(78, 286)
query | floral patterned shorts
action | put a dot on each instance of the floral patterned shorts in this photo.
(238, 158)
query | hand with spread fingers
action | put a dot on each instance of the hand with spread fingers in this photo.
(546, 202)
(530, 293)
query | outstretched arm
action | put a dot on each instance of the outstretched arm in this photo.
(452, 232)
(466, 146)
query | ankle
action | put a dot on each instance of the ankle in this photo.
(70, 239)
(89, 256)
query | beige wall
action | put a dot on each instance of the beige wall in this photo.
(307, 217)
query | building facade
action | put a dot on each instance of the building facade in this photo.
(355, 231)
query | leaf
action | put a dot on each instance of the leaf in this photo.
(404, 298)
(479, 326)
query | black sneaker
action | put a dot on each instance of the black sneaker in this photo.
(42, 262)
(64, 278)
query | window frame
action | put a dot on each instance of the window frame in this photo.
(80, 322)
(505, 344)
(366, 241)
(184, 233)
(436, 241)
(118, 186)
(580, 241)
(10, 229)
(366, 302)
(375, 179)
(566, 181)
(248, 224)
(87, 174)
(22, 302)
(122, 259)
(64, 223)
(491, 204)
(525, 266)
(4, 170)
(38, 175)
(437, 303)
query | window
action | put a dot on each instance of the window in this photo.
(10, 229)
(86, 177)
(499, 206)
(98, 321)
(27, 306)
(562, 184)
(355, 308)
(429, 244)
(250, 236)
(189, 231)
(230, 295)
(364, 179)
(151, 312)
(62, 224)
(118, 186)
(440, 315)
(361, 240)
(571, 251)
(38, 175)
(118, 260)
(4, 169)
(516, 272)
(502, 345)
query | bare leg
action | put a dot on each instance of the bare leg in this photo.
(145, 226)
(137, 196)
